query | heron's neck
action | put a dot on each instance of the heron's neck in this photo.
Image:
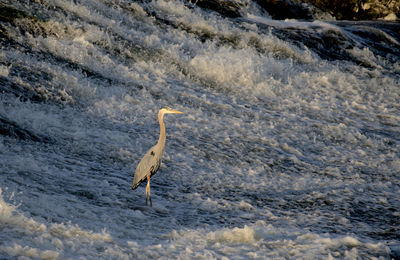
(162, 138)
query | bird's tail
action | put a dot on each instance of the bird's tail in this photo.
(137, 182)
(135, 185)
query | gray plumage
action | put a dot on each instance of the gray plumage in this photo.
(151, 161)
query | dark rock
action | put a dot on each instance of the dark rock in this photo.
(286, 9)
(226, 8)
(357, 9)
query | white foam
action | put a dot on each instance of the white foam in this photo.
(291, 23)
(243, 235)
(4, 70)
(60, 237)
(10, 217)
(266, 241)
(365, 55)
(18, 250)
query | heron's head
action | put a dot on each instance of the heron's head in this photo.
(168, 110)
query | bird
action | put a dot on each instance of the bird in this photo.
(150, 163)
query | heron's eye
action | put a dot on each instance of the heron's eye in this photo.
(152, 153)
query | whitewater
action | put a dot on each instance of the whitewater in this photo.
(288, 148)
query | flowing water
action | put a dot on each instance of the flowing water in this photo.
(288, 148)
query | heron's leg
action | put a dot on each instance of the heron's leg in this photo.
(148, 185)
(147, 189)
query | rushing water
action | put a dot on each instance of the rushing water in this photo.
(289, 145)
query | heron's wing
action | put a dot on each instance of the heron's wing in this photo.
(149, 164)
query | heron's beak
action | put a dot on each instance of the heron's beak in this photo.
(176, 112)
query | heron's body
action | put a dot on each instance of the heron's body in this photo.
(151, 161)
(142, 170)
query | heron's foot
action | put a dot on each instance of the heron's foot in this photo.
(151, 203)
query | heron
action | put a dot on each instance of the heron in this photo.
(151, 161)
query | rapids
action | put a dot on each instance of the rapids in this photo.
(289, 145)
